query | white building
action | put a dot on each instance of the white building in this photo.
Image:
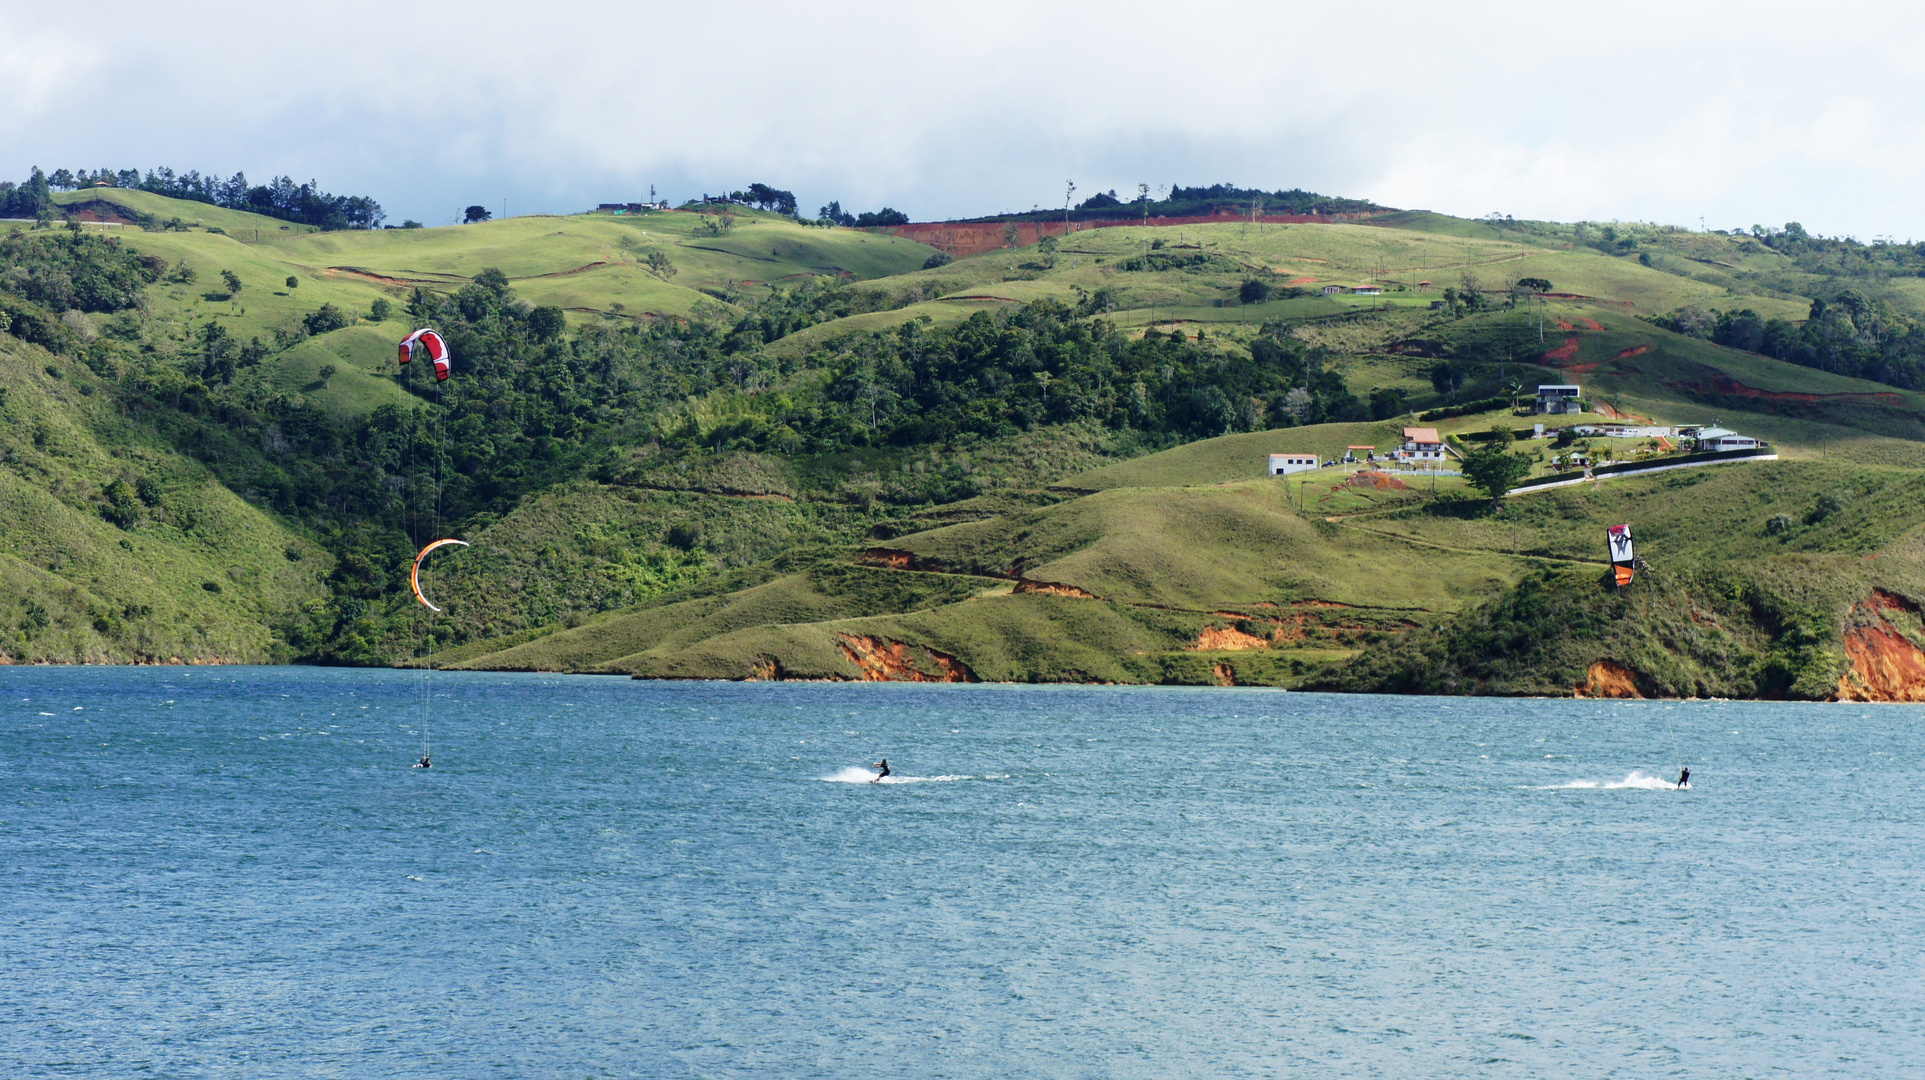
(1422, 444)
(1367, 290)
(1717, 438)
(1625, 431)
(1285, 464)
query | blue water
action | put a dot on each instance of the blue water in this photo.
(233, 872)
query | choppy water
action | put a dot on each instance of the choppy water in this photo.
(233, 872)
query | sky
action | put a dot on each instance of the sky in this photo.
(1721, 114)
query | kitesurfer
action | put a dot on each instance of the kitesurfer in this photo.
(1683, 777)
(884, 766)
(425, 763)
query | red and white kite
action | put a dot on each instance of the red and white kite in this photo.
(432, 343)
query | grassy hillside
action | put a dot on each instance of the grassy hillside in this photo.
(114, 548)
(732, 445)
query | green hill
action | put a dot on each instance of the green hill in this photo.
(115, 548)
(731, 445)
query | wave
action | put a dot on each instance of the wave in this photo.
(1635, 780)
(853, 775)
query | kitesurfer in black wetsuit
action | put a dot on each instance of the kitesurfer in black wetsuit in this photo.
(424, 763)
(884, 766)
(1683, 778)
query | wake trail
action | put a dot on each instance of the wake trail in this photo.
(1635, 780)
(853, 775)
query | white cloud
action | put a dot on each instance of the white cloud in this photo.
(1665, 112)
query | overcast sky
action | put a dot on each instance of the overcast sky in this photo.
(1739, 115)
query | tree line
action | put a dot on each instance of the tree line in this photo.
(280, 197)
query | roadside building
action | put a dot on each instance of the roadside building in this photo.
(1557, 399)
(1367, 290)
(1332, 290)
(1350, 454)
(1285, 464)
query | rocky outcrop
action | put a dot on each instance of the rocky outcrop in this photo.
(1227, 639)
(1053, 588)
(882, 660)
(1885, 664)
(1610, 679)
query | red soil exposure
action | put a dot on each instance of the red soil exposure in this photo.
(103, 212)
(1562, 325)
(1225, 674)
(1564, 352)
(1610, 679)
(892, 559)
(1883, 601)
(1054, 588)
(1301, 281)
(1227, 639)
(1370, 479)
(977, 237)
(882, 660)
(1885, 664)
(1591, 324)
(1635, 350)
(1726, 385)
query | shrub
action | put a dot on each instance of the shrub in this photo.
(1826, 505)
(1778, 524)
(940, 258)
(327, 318)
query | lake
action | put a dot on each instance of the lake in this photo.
(235, 872)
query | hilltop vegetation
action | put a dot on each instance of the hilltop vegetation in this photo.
(722, 442)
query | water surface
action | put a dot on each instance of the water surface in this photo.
(228, 872)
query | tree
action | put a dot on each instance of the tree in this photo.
(327, 318)
(326, 373)
(1254, 291)
(233, 281)
(293, 282)
(547, 322)
(474, 214)
(380, 310)
(884, 216)
(769, 198)
(660, 266)
(1386, 402)
(410, 223)
(1494, 470)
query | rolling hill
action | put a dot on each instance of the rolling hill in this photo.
(752, 448)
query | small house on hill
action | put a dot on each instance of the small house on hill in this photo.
(1332, 290)
(1717, 438)
(1557, 399)
(1367, 290)
(1285, 464)
(1422, 444)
